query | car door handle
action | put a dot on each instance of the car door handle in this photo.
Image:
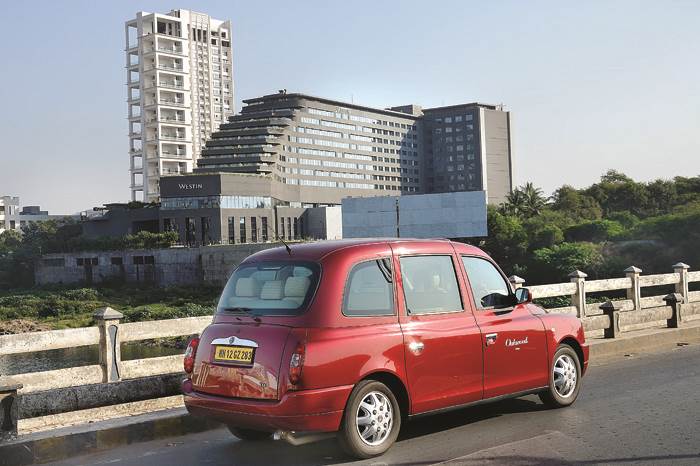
(491, 338)
(416, 347)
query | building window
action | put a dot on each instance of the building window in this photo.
(190, 231)
(205, 223)
(296, 228)
(289, 228)
(241, 225)
(254, 229)
(231, 230)
(282, 226)
(57, 262)
(264, 228)
(117, 261)
(86, 261)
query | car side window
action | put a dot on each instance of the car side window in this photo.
(430, 284)
(489, 288)
(369, 290)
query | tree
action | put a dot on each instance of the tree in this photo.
(575, 204)
(614, 176)
(515, 203)
(507, 242)
(524, 201)
(595, 231)
(534, 199)
(556, 263)
(10, 240)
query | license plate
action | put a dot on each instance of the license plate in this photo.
(240, 354)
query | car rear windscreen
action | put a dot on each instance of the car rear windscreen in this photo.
(270, 288)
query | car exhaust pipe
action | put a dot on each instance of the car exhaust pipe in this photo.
(301, 438)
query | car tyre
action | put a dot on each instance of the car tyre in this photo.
(564, 378)
(249, 434)
(371, 421)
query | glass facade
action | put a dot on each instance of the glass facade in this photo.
(216, 202)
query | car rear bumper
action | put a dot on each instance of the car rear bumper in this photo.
(319, 410)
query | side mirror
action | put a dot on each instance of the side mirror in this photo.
(523, 295)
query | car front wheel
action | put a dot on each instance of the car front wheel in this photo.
(371, 421)
(564, 378)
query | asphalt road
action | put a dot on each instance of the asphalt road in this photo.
(635, 410)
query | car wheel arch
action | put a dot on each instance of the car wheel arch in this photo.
(575, 345)
(396, 385)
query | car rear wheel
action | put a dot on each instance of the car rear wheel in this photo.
(371, 421)
(564, 378)
(249, 434)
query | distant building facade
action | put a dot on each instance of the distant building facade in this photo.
(324, 150)
(9, 208)
(282, 167)
(221, 208)
(179, 90)
(442, 215)
(12, 217)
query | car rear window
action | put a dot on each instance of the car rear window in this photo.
(270, 288)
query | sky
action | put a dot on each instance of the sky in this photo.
(592, 86)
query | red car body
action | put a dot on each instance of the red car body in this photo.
(431, 362)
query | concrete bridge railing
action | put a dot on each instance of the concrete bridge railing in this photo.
(44, 399)
(640, 308)
(48, 398)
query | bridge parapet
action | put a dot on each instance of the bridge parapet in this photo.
(42, 400)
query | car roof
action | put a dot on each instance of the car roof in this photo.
(317, 250)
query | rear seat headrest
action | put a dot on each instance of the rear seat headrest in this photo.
(296, 287)
(247, 287)
(271, 290)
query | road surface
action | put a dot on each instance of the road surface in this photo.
(633, 410)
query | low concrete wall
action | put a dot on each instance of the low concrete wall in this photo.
(160, 267)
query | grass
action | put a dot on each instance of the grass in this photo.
(66, 307)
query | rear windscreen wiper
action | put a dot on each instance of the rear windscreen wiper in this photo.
(244, 310)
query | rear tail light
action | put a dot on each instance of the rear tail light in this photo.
(296, 363)
(190, 354)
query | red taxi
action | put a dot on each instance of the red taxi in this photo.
(357, 336)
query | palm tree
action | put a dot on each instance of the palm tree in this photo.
(524, 201)
(534, 199)
(515, 203)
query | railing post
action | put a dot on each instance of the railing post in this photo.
(682, 285)
(634, 293)
(612, 310)
(110, 347)
(9, 411)
(516, 281)
(578, 299)
(675, 300)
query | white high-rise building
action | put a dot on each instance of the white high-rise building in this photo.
(179, 90)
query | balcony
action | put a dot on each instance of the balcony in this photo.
(173, 103)
(172, 120)
(174, 155)
(170, 171)
(171, 68)
(171, 85)
(171, 50)
(173, 137)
